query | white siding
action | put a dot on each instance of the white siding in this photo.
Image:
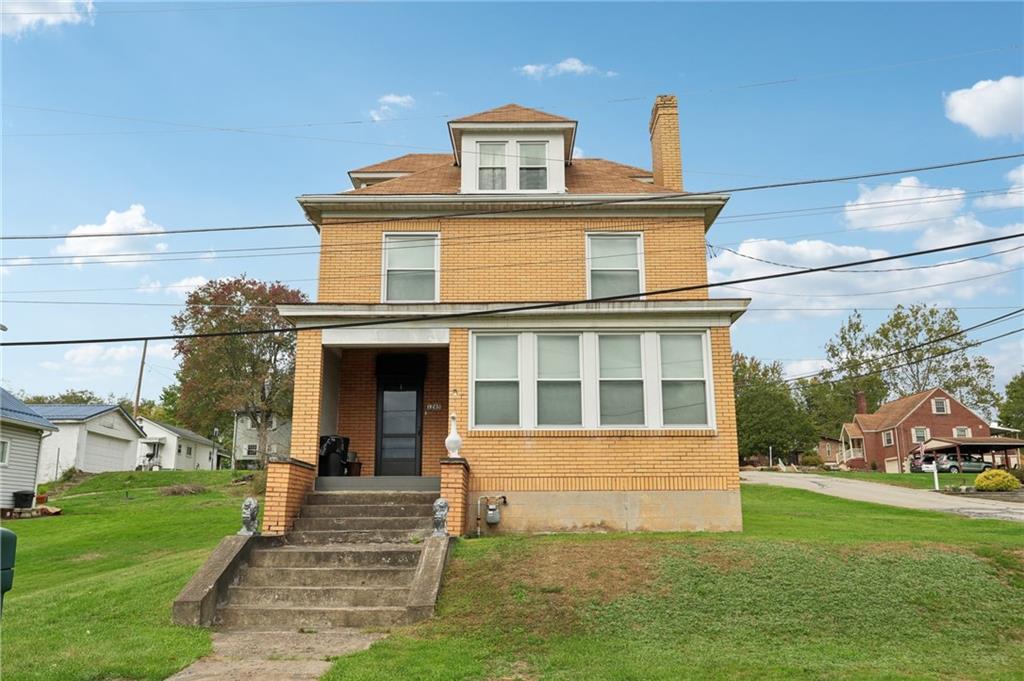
(22, 457)
(105, 453)
(59, 451)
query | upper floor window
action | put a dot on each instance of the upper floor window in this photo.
(533, 166)
(920, 434)
(887, 438)
(411, 263)
(961, 431)
(940, 405)
(491, 164)
(4, 449)
(615, 263)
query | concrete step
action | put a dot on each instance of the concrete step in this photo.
(366, 511)
(329, 537)
(318, 596)
(263, 618)
(367, 555)
(319, 576)
(371, 498)
(363, 523)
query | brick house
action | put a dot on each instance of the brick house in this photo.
(615, 414)
(886, 439)
(830, 449)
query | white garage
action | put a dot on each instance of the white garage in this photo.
(94, 438)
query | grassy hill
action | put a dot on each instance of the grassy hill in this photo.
(815, 587)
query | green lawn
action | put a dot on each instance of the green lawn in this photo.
(816, 587)
(93, 588)
(915, 480)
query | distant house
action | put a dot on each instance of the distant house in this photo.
(830, 449)
(174, 448)
(22, 431)
(90, 437)
(886, 439)
(246, 449)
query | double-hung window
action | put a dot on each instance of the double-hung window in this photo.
(496, 380)
(491, 164)
(559, 382)
(961, 431)
(250, 450)
(621, 380)
(887, 439)
(940, 405)
(615, 264)
(533, 165)
(919, 434)
(5, 448)
(684, 400)
(410, 268)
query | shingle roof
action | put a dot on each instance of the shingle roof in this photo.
(13, 409)
(891, 413)
(73, 412)
(410, 163)
(853, 430)
(512, 113)
(184, 432)
(582, 176)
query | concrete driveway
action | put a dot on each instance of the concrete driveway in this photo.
(878, 493)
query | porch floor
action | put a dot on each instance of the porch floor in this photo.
(381, 483)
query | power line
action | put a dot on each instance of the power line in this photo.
(527, 209)
(521, 308)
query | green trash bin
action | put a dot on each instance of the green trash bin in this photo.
(8, 547)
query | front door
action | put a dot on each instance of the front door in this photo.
(399, 413)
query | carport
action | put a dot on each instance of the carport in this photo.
(987, 447)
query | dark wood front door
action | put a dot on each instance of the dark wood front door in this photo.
(399, 413)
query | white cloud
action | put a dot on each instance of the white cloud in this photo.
(902, 206)
(147, 285)
(95, 353)
(21, 16)
(185, 286)
(577, 152)
(990, 108)
(820, 291)
(160, 351)
(802, 367)
(570, 66)
(1014, 196)
(1007, 358)
(131, 221)
(390, 104)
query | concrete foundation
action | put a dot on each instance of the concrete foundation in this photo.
(704, 511)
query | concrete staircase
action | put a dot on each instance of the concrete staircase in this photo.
(350, 561)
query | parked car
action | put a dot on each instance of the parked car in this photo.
(948, 463)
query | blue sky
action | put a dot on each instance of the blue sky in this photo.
(850, 102)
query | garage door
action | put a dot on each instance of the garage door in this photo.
(105, 453)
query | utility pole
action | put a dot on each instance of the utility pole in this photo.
(138, 384)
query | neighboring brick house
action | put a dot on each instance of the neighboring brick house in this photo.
(612, 415)
(886, 440)
(830, 450)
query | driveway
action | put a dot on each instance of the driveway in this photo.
(859, 490)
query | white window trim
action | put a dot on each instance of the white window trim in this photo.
(5, 446)
(384, 266)
(639, 260)
(650, 356)
(945, 402)
(512, 167)
(967, 428)
(643, 381)
(517, 165)
(888, 438)
(537, 380)
(913, 435)
(505, 155)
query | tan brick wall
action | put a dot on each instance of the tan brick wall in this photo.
(666, 159)
(306, 405)
(505, 259)
(287, 486)
(611, 460)
(357, 406)
(455, 488)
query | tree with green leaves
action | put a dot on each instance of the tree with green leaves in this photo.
(252, 373)
(767, 415)
(1011, 407)
(69, 396)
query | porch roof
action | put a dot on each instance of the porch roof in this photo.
(973, 445)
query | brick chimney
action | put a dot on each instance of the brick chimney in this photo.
(666, 158)
(861, 403)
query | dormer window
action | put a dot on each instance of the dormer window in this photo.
(533, 166)
(491, 166)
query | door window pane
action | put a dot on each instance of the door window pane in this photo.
(614, 283)
(398, 447)
(622, 403)
(684, 403)
(399, 411)
(558, 357)
(411, 285)
(497, 357)
(559, 403)
(682, 356)
(497, 403)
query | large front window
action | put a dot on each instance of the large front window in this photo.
(614, 264)
(491, 166)
(410, 268)
(589, 379)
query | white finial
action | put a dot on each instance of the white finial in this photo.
(454, 441)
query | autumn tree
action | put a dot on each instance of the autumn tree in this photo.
(1011, 407)
(766, 413)
(250, 373)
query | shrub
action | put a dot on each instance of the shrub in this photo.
(1018, 473)
(68, 475)
(810, 460)
(258, 483)
(996, 480)
(874, 465)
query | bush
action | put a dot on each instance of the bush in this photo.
(810, 460)
(68, 475)
(874, 465)
(996, 480)
(1018, 473)
(258, 483)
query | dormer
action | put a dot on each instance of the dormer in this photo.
(512, 150)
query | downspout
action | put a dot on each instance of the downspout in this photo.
(35, 481)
